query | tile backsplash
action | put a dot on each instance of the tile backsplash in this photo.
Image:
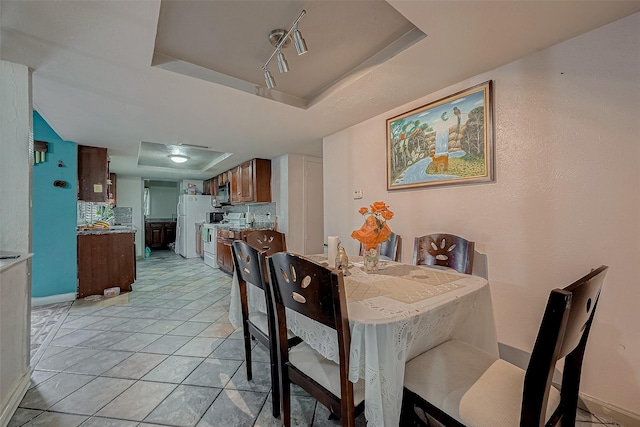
(90, 212)
(263, 213)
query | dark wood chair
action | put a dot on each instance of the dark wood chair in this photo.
(249, 266)
(446, 250)
(316, 292)
(389, 249)
(267, 241)
(458, 385)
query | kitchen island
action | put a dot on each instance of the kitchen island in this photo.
(106, 259)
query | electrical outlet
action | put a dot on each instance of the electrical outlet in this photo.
(357, 194)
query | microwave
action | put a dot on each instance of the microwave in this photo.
(224, 194)
(215, 217)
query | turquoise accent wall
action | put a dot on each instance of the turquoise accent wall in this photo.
(54, 215)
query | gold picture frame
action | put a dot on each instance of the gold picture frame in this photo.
(446, 142)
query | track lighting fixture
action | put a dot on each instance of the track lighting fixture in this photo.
(281, 40)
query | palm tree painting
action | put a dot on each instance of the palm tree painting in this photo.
(448, 141)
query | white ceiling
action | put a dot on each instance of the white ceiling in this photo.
(96, 80)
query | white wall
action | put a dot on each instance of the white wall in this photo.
(130, 193)
(16, 164)
(164, 202)
(289, 189)
(280, 191)
(565, 199)
(16, 171)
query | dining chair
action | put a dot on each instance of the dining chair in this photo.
(267, 241)
(389, 249)
(446, 250)
(249, 266)
(458, 384)
(316, 292)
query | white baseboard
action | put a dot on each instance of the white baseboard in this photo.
(15, 399)
(603, 410)
(53, 299)
(608, 412)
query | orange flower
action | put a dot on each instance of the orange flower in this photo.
(378, 207)
(375, 229)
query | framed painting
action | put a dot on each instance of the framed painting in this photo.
(446, 142)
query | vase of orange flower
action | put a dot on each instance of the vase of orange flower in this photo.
(373, 232)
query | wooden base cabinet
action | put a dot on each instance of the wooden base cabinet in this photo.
(225, 260)
(105, 260)
(158, 235)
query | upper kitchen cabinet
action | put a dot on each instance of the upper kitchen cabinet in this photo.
(214, 186)
(206, 187)
(251, 182)
(93, 173)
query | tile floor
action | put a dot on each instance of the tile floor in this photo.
(161, 355)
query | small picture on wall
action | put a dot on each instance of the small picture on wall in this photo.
(449, 141)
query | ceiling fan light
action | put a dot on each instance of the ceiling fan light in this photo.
(283, 66)
(268, 78)
(298, 41)
(178, 158)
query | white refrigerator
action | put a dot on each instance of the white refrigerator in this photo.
(192, 209)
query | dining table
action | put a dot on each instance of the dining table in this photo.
(395, 314)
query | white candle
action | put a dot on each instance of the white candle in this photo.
(332, 249)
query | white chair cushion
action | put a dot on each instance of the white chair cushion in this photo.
(324, 371)
(443, 374)
(496, 398)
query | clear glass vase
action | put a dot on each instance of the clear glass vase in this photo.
(371, 258)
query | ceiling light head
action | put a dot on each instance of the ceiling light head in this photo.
(268, 78)
(178, 158)
(298, 41)
(283, 66)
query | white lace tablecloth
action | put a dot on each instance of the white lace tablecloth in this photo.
(394, 316)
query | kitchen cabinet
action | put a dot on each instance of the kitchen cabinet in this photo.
(105, 260)
(169, 233)
(93, 173)
(207, 187)
(158, 235)
(224, 254)
(251, 182)
(214, 186)
(236, 189)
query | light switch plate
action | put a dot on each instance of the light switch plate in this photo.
(357, 194)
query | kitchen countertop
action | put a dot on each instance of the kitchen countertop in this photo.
(147, 220)
(254, 226)
(113, 230)
(7, 258)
